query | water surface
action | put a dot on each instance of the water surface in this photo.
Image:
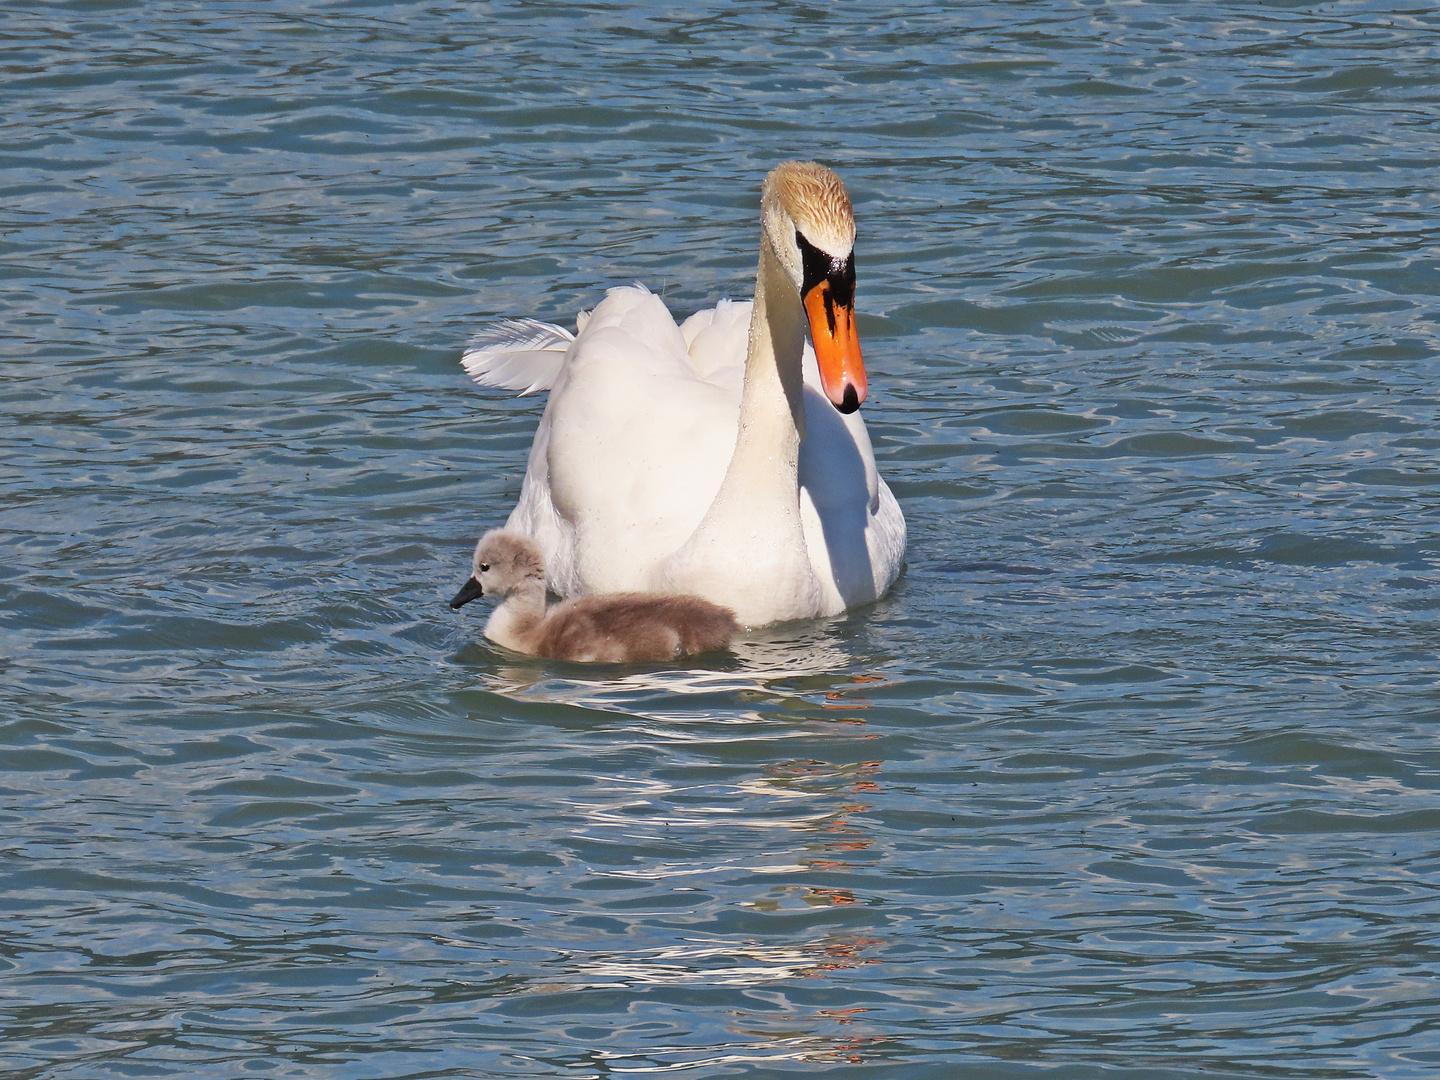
(1134, 774)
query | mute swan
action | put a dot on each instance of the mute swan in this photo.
(620, 628)
(723, 457)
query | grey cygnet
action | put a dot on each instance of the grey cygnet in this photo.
(612, 628)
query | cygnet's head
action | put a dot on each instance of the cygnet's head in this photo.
(811, 228)
(503, 562)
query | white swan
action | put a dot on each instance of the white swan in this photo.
(710, 458)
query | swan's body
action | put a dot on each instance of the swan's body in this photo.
(710, 458)
(619, 628)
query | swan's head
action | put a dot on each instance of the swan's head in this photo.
(503, 562)
(811, 228)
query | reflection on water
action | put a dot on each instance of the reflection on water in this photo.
(816, 803)
(738, 964)
(765, 658)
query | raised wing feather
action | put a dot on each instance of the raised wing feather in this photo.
(519, 354)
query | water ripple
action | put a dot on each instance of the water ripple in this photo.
(1134, 771)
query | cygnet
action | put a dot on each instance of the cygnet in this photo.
(613, 628)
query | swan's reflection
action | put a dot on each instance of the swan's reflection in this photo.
(772, 848)
(811, 860)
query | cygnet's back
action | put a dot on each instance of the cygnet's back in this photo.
(614, 628)
(634, 628)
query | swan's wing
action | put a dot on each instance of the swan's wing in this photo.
(528, 355)
(853, 526)
(886, 539)
(718, 339)
(638, 443)
(535, 516)
(520, 354)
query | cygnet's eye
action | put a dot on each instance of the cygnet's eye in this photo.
(484, 566)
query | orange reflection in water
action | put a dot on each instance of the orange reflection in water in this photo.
(835, 1034)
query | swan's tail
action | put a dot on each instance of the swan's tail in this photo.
(521, 354)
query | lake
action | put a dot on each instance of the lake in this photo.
(1136, 772)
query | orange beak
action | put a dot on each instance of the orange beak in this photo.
(837, 348)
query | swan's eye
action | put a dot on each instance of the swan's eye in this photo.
(484, 566)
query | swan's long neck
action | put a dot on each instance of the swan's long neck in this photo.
(772, 409)
(514, 622)
(749, 551)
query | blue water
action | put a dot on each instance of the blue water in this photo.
(1135, 773)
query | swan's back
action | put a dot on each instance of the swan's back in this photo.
(634, 628)
(636, 447)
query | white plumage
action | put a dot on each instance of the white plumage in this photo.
(647, 474)
(519, 354)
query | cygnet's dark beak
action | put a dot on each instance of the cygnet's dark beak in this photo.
(469, 591)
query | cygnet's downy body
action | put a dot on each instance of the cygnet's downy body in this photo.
(612, 628)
